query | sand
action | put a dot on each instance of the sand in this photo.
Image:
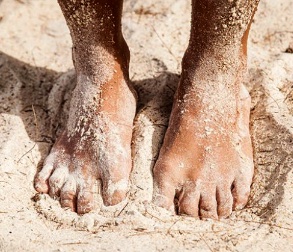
(36, 83)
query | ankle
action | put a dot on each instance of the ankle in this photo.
(215, 59)
(96, 59)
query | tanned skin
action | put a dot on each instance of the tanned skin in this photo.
(205, 162)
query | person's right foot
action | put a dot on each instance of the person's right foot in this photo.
(95, 145)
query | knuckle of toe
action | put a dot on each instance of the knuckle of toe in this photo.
(83, 201)
(111, 200)
(40, 188)
(67, 196)
(207, 208)
(84, 208)
(243, 198)
(66, 203)
(208, 214)
(224, 212)
(163, 167)
(161, 200)
(54, 181)
(187, 212)
(37, 182)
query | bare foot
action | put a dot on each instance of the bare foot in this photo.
(206, 164)
(206, 161)
(95, 144)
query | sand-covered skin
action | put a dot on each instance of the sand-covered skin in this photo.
(36, 82)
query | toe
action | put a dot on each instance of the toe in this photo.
(188, 204)
(208, 204)
(225, 201)
(41, 185)
(164, 194)
(85, 199)
(115, 183)
(164, 189)
(164, 184)
(240, 192)
(41, 180)
(57, 180)
(68, 194)
(114, 190)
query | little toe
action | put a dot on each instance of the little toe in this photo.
(208, 205)
(68, 194)
(225, 201)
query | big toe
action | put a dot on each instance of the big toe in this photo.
(240, 192)
(163, 195)
(164, 188)
(114, 191)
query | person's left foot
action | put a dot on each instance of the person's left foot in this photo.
(206, 163)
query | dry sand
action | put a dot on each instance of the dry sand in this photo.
(36, 80)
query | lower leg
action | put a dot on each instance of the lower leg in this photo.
(97, 138)
(95, 28)
(206, 156)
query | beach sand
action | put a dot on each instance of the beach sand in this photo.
(36, 82)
